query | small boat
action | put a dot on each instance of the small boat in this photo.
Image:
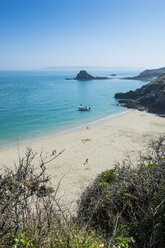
(83, 108)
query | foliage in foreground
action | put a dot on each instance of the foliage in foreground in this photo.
(30, 213)
(127, 203)
(124, 207)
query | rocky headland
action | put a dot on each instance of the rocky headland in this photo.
(150, 97)
(148, 75)
(85, 76)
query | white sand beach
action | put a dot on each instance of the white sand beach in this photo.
(91, 150)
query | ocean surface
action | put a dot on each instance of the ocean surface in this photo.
(36, 104)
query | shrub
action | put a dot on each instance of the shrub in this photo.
(124, 207)
(129, 201)
(30, 213)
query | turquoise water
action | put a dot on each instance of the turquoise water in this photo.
(37, 103)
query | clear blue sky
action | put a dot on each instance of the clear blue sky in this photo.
(42, 33)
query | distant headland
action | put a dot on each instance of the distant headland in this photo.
(85, 76)
(148, 75)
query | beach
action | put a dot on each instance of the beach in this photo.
(90, 150)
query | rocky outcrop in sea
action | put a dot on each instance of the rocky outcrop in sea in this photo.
(150, 97)
(85, 76)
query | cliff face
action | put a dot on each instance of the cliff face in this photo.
(148, 75)
(150, 97)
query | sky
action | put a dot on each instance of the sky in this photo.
(36, 34)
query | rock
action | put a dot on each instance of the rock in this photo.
(148, 75)
(150, 97)
(113, 75)
(85, 76)
(100, 78)
(129, 95)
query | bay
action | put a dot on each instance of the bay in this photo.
(38, 103)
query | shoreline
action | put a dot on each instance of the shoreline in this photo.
(54, 134)
(102, 145)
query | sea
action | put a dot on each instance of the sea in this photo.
(39, 104)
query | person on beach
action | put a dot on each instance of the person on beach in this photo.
(86, 161)
(53, 152)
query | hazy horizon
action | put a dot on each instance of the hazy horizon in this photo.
(39, 34)
(78, 68)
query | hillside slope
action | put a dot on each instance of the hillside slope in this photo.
(150, 97)
(148, 75)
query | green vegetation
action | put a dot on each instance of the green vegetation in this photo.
(124, 207)
(30, 213)
(127, 204)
